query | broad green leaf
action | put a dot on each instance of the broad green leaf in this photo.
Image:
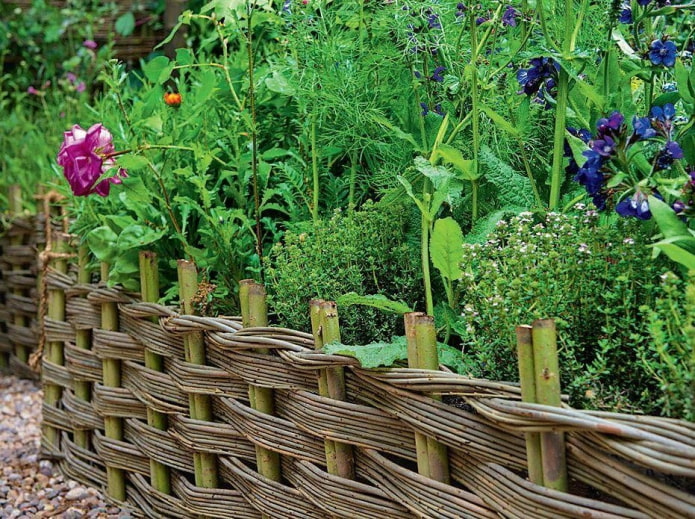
(125, 24)
(278, 83)
(578, 147)
(499, 121)
(677, 254)
(683, 82)
(206, 87)
(409, 190)
(102, 243)
(184, 57)
(158, 69)
(687, 142)
(372, 355)
(377, 301)
(669, 224)
(136, 236)
(453, 156)
(386, 354)
(446, 246)
(439, 175)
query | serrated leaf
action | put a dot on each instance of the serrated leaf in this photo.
(446, 245)
(372, 355)
(378, 301)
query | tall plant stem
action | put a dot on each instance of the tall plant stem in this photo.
(556, 176)
(254, 137)
(425, 248)
(353, 181)
(475, 119)
(315, 172)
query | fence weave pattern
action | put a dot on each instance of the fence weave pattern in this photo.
(621, 466)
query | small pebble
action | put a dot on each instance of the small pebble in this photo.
(31, 487)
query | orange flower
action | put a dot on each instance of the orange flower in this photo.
(172, 99)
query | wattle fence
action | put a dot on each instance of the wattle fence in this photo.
(178, 415)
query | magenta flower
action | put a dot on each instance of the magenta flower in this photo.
(90, 44)
(85, 157)
(33, 91)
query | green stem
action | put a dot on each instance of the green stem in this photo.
(254, 138)
(353, 181)
(315, 172)
(425, 248)
(475, 115)
(557, 174)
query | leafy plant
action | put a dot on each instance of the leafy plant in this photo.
(361, 252)
(591, 276)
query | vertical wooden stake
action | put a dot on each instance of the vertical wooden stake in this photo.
(52, 393)
(205, 463)
(421, 337)
(160, 477)
(527, 375)
(83, 340)
(547, 369)
(317, 330)
(423, 463)
(113, 425)
(254, 312)
(335, 381)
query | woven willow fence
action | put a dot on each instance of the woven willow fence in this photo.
(176, 415)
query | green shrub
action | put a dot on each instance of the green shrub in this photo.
(592, 277)
(363, 251)
(670, 356)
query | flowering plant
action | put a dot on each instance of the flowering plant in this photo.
(86, 157)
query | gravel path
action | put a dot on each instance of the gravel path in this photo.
(30, 487)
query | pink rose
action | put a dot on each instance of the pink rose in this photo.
(85, 157)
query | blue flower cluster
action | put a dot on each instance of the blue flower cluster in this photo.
(608, 152)
(540, 79)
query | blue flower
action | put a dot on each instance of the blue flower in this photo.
(644, 3)
(663, 113)
(625, 15)
(286, 7)
(611, 125)
(671, 152)
(636, 205)
(643, 128)
(539, 78)
(437, 74)
(604, 147)
(662, 53)
(425, 109)
(589, 175)
(662, 119)
(509, 16)
(433, 21)
(460, 9)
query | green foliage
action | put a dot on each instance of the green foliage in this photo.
(388, 353)
(361, 252)
(670, 356)
(512, 188)
(591, 276)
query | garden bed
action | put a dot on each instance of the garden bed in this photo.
(628, 459)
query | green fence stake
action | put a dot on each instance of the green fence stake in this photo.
(205, 464)
(335, 381)
(547, 370)
(54, 353)
(254, 312)
(113, 425)
(83, 340)
(316, 328)
(527, 375)
(149, 287)
(421, 337)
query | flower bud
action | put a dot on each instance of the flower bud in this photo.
(172, 99)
